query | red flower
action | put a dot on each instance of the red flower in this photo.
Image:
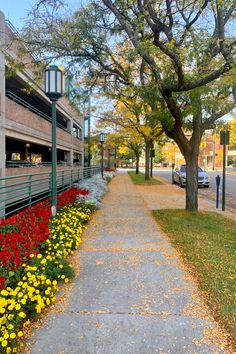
(2, 282)
(32, 230)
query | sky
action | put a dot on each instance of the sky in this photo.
(16, 10)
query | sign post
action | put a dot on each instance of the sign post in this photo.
(224, 140)
(152, 155)
(172, 173)
(217, 190)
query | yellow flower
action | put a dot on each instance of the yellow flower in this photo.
(4, 343)
(20, 334)
(12, 335)
(22, 314)
(39, 256)
(4, 292)
(18, 307)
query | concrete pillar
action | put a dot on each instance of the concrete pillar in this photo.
(70, 125)
(2, 106)
(2, 96)
(71, 152)
(70, 157)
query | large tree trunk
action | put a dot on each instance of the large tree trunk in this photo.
(147, 160)
(192, 182)
(137, 164)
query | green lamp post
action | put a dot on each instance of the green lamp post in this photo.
(102, 140)
(54, 89)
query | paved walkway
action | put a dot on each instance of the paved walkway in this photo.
(131, 294)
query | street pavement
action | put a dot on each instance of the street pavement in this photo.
(131, 293)
(208, 193)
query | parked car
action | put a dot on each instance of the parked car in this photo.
(179, 177)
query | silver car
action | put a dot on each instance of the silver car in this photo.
(179, 177)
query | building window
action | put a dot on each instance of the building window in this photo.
(77, 159)
(15, 156)
(77, 132)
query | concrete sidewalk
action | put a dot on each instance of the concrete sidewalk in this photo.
(132, 294)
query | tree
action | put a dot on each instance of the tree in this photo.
(125, 133)
(185, 65)
(136, 126)
(195, 59)
(232, 126)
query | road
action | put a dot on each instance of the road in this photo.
(230, 179)
(210, 193)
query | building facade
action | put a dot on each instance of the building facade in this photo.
(25, 119)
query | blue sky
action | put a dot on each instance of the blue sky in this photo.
(16, 10)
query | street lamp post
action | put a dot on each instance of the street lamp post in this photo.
(109, 158)
(53, 90)
(102, 140)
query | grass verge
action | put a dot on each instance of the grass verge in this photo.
(207, 242)
(140, 179)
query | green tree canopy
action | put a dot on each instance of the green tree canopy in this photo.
(183, 52)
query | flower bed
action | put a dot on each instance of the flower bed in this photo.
(33, 255)
(33, 259)
(97, 188)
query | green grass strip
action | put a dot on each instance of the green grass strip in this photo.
(140, 179)
(207, 242)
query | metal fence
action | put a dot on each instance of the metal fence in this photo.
(25, 164)
(18, 192)
(33, 109)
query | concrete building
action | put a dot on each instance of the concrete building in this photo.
(25, 118)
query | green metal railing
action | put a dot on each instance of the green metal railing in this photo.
(18, 192)
(33, 109)
(23, 163)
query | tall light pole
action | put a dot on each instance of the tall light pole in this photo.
(53, 90)
(109, 158)
(102, 140)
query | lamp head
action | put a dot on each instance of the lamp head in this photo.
(53, 81)
(102, 138)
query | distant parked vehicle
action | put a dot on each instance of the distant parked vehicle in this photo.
(180, 177)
